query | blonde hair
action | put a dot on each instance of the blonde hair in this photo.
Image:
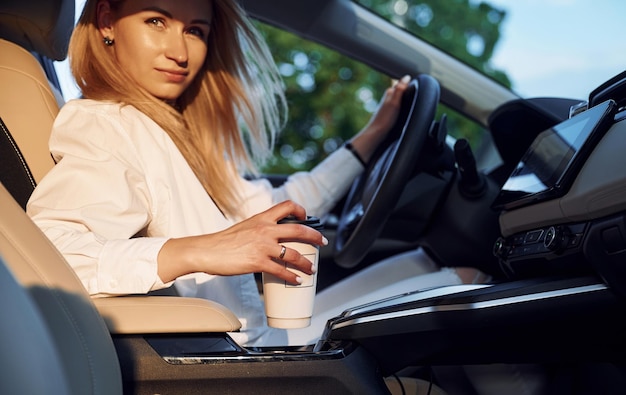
(225, 123)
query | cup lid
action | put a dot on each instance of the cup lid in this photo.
(313, 222)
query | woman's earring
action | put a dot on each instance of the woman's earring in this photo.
(108, 42)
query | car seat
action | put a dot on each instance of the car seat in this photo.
(30, 347)
(28, 103)
(78, 332)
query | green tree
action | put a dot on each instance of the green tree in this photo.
(331, 96)
(466, 29)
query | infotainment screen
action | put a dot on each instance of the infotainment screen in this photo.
(551, 163)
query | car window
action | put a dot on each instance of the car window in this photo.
(331, 96)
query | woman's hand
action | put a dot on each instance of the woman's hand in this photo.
(251, 246)
(382, 121)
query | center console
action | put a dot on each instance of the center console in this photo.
(535, 320)
(563, 248)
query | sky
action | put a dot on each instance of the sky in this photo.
(560, 47)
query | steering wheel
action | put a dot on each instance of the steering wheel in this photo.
(376, 192)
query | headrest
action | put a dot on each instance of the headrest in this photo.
(42, 26)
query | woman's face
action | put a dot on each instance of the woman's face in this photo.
(162, 44)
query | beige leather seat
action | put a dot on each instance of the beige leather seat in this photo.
(28, 104)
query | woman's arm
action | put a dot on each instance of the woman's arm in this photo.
(251, 246)
(320, 189)
(366, 141)
(94, 202)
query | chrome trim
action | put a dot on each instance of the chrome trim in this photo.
(413, 297)
(471, 306)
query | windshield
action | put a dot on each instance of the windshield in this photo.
(538, 48)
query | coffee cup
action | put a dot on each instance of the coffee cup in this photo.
(289, 305)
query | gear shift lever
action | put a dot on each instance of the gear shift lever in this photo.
(471, 184)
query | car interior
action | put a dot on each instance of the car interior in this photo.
(556, 256)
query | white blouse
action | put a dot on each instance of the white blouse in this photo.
(121, 188)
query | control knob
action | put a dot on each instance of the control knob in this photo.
(556, 239)
(498, 247)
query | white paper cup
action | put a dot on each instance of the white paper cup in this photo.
(290, 306)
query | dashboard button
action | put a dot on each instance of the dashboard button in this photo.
(533, 236)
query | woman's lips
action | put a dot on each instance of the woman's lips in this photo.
(174, 75)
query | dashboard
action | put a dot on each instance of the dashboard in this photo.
(576, 227)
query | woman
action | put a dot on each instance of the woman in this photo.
(147, 189)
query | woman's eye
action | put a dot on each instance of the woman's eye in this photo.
(196, 31)
(155, 22)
